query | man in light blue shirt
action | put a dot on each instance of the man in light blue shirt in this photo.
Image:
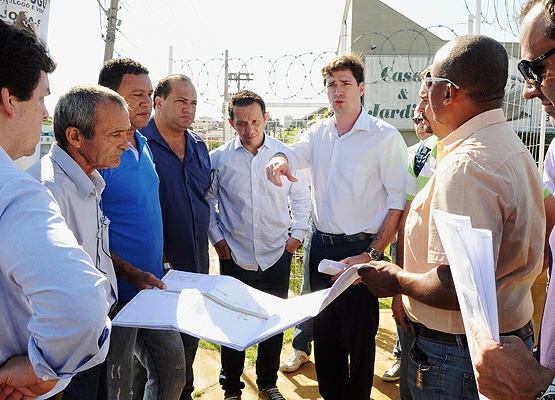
(249, 223)
(54, 321)
(90, 123)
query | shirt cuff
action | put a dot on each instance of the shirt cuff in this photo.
(299, 234)
(215, 235)
(45, 372)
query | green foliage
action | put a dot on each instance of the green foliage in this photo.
(213, 145)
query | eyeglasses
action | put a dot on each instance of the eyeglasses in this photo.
(529, 71)
(417, 120)
(431, 79)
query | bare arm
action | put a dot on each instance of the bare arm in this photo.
(385, 235)
(141, 279)
(508, 370)
(434, 287)
(397, 304)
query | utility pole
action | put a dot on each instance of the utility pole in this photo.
(112, 15)
(478, 21)
(225, 106)
(170, 63)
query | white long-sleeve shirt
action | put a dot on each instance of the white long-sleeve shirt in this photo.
(248, 211)
(356, 177)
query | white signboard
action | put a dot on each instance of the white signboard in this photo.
(391, 88)
(36, 13)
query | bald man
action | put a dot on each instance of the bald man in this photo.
(483, 171)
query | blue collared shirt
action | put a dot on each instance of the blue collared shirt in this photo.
(54, 301)
(132, 203)
(183, 187)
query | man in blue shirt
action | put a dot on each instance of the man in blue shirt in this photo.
(131, 201)
(183, 165)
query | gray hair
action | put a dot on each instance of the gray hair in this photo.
(77, 107)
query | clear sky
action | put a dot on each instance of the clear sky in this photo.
(204, 29)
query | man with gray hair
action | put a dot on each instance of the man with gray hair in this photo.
(90, 123)
(483, 171)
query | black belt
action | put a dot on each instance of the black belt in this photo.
(419, 330)
(330, 238)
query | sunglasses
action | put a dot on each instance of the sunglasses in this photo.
(417, 120)
(529, 70)
(431, 79)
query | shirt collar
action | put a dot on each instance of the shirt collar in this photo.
(362, 123)
(480, 121)
(151, 132)
(5, 158)
(237, 144)
(86, 185)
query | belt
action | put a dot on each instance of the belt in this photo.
(330, 238)
(419, 330)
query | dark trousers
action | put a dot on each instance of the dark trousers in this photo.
(88, 385)
(275, 280)
(344, 332)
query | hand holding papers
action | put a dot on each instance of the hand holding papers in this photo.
(470, 255)
(222, 309)
(331, 267)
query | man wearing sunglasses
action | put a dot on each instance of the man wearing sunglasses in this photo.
(483, 171)
(507, 369)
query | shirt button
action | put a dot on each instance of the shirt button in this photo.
(45, 377)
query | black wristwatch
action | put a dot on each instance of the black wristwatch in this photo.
(374, 254)
(549, 394)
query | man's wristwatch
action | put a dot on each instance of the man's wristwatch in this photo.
(549, 394)
(374, 254)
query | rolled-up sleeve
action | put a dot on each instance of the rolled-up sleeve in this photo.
(55, 300)
(393, 161)
(299, 202)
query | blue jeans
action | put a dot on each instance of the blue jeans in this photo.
(159, 351)
(275, 280)
(451, 376)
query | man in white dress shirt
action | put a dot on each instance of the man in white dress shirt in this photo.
(249, 223)
(358, 191)
(90, 125)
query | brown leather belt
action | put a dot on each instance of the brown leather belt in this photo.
(419, 330)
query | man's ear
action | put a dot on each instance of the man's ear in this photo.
(231, 123)
(7, 102)
(74, 137)
(447, 96)
(158, 102)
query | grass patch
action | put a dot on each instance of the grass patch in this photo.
(385, 303)
(199, 393)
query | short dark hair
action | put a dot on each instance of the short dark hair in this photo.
(112, 72)
(350, 61)
(164, 88)
(77, 107)
(23, 57)
(549, 12)
(245, 98)
(478, 64)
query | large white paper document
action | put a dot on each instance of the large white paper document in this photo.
(470, 255)
(222, 309)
